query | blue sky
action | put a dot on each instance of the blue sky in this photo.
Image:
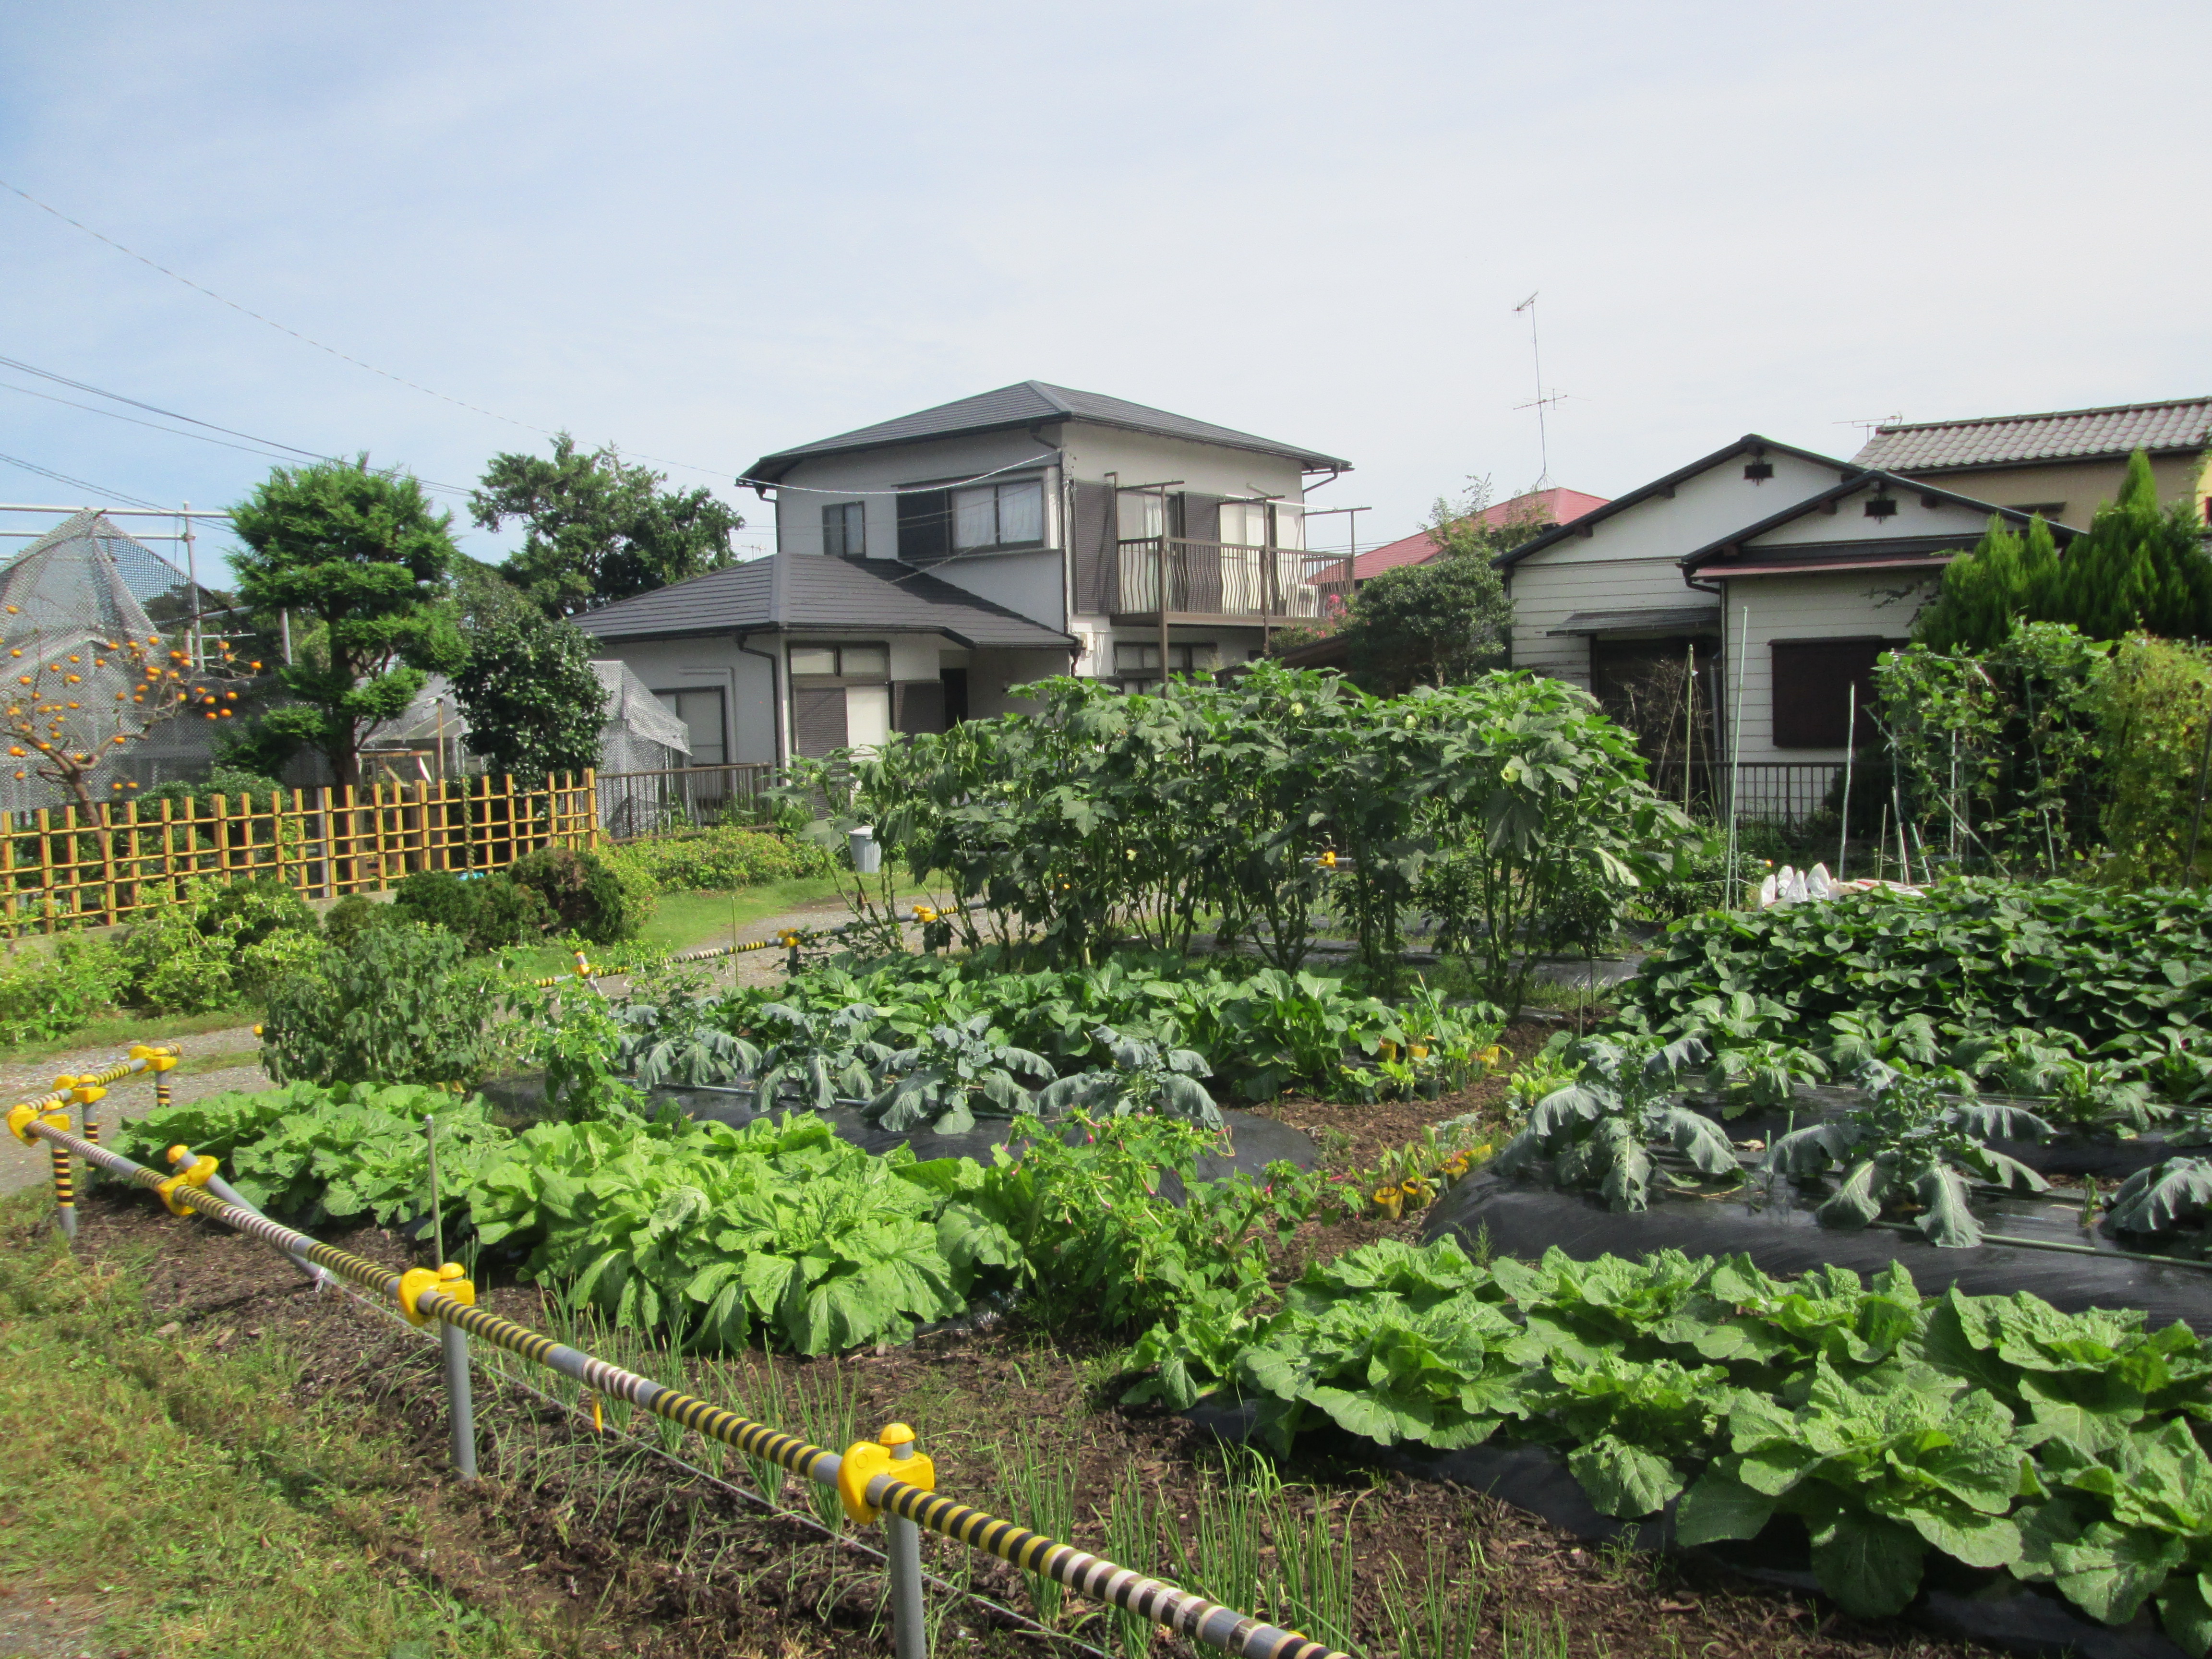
(706, 231)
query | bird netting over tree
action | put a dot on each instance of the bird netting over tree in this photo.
(75, 592)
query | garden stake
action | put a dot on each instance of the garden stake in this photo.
(1736, 758)
(437, 1218)
(2197, 810)
(423, 1295)
(1851, 749)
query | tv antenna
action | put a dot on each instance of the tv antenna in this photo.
(1543, 399)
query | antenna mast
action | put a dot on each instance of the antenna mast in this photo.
(1543, 436)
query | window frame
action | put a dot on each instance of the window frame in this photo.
(721, 694)
(842, 675)
(847, 515)
(1776, 649)
(998, 489)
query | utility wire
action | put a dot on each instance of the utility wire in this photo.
(21, 367)
(307, 339)
(79, 483)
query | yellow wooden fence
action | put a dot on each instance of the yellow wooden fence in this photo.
(62, 868)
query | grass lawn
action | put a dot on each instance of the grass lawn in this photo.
(167, 1498)
(692, 922)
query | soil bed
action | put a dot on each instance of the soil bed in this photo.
(650, 1560)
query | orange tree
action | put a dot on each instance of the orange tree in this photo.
(72, 714)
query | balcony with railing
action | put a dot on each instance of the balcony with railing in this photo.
(1221, 582)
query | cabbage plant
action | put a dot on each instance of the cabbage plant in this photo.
(1597, 1131)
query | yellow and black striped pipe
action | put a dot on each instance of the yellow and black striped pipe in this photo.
(1087, 1575)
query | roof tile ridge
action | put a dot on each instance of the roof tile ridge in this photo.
(1052, 394)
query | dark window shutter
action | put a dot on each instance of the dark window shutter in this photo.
(1202, 517)
(920, 706)
(1813, 680)
(925, 527)
(1090, 538)
(818, 720)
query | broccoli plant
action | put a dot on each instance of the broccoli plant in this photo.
(1915, 1140)
(1596, 1131)
(2173, 1192)
(819, 1056)
(1144, 1078)
(948, 1071)
(668, 1036)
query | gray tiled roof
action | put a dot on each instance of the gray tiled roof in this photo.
(2068, 434)
(786, 592)
(1029, 403)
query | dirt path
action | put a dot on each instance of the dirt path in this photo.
(22, 1166)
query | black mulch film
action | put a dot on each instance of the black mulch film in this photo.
(1768, 1222)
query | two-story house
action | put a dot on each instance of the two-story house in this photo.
(926, 565)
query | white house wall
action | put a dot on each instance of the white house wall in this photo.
(1628, 561)
(712, 661)
(1546, 595)
(835, 478)
(1850, 522)
(1822, 605)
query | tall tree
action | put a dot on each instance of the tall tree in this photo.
(2140, 568)
(364, 555)
(599, 529)
(1447, 620)
(534, 706)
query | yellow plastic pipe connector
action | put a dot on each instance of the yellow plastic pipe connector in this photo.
(86, 1093)
(864, 1459)
(20, 1118)
(447, 1280)
(194, 1174)
(164, 1057)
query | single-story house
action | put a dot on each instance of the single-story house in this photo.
(1752, 589)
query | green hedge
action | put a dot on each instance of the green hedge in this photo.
(721, 859)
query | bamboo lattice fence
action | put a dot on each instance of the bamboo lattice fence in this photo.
(61, 869)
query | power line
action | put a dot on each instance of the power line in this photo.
(170, 414)
(80, 483)
(250, 448)
(307, 339)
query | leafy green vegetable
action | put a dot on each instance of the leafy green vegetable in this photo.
(1597, 1130)
(1144, 1078)
(948, 1072)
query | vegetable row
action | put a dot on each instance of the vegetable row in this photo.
(1997, 1431)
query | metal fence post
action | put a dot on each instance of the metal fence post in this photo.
(902, 1541)
(460, 1404)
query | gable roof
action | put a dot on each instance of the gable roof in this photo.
(1027, 403)
(1584, 523)
(1887, 550)
(788, 591)
(2184, 424)
(1560, 506)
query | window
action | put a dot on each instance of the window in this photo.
(700, 708)
(1245, 524)
(1009, 515)
(1812, 682)
(845, 530)
(1137, 664)
(851, 662)
(1263, 523)
(1143, 515)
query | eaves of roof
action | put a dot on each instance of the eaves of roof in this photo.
(1025, 404)
(813, 592)
(1691, 562)
(1589, 520)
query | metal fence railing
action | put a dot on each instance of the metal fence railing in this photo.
(75, 867)
(1788, 794)
(1220, 579)
(647, 803)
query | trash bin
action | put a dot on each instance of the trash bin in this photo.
(867, 851)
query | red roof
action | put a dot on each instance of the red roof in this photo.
(1550, 506)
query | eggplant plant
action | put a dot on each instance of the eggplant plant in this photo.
(1597, 1131)
(947, 1074)
(1145, 1076)
(1914, 1142)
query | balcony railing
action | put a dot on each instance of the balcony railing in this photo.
(1221, 580)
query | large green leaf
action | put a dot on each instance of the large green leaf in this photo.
(1623, 1480)
(1869, 1565)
